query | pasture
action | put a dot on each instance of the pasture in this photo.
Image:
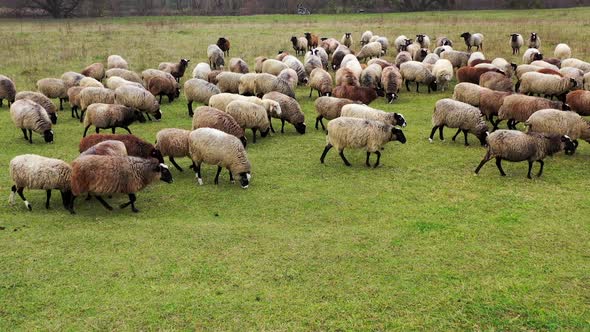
(419, 243)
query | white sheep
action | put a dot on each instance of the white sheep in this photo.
(198, 90)
(365, 112)
(201, 71)
(443, 72)
(544, 84)
(413, 71)
(456, 114)
(30, 116)
(472, 40)
(516, 42)
(562, 51)
(116, 61)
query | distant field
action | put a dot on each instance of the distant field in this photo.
(416, 244)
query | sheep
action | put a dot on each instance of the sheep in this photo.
(311, 62)
(266, 83)
(531, 55)
(443, 73)
(7, 90)
(347, 39)
(149, 74)
(30, 171)
(514, 145)
(299, 44)
(159, 86)
(221, 101)
(338, 55)
(209, 117)
(294, 63)
(443, 41)
(320, 81)
(124, 73)
(562, 51)
(473, 74)
(456, 114)
(382, 63)
(370, 50)
(457, 58)
(431, 59)
(323, 56)
(481, 63)
(71, 79)
(472, 40)
(516, 42)
(175, 69)
(238, 65)
(366, 37)
(258, 62)
(534, 41)
(53, 88)
(87, 82)
(401, 43)
(288, 75)
(423, 41)
(358, 94)
(402, 57)
(369, 113)
(138, 98)
(345, 132)
(224, 44)
(215, 56)
(100, 175)
(548, 85)
(42, 100)
(30, 116)
(198, 90)
(391, 81)
(413, 71)
(574, 73)
(475, 56)
(518, 108)
(247, 83)
(552, 121)
(114, 82)
(228, 82)
(553, 72)
(95, 70)
(290, 111)
(505, 66)
(116, 61)
(312, 40)
(373, 38)
(468, 93)
(329, 108)
(371, 77)
(249, 115)
(329, 45)
(414, 49)
(107, 148)
(135, 146)
(441, 49)
(273, 67)
(495, 81)
(74, 98)
(544, 64)
(490, 102)
(522, 69)
(214, 147)
(105, 116)
(212, 76)
(201, 70)
(89, 96)
(579, 101)
(576, 63)
(351, 62)
(173, 143)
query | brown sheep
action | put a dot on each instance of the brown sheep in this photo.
(549, 71)
(490, 102)
(472, 74)
(135, 145)
(355, 93)
(579, 101)
(312, 40)
(212, 76)
(478, 61)
(95, 70)
(224, 44)
(160, 86)
(495, 81)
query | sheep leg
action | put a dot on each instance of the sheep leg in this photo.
(190, 109)
(198, 173)
(282, 127)
(317, 120)
(322, 123)
(440, 128)
(542, 163)
(0, 102)
(496, 124)
(231, 177)
(485, 159)
(25, 133)
(97, 130)
(19, 191)
(270, 122)
(367, 161)
(465, 134)
(113, 130)
(254, 135)
(160, 99)
(417, 87)
(61, 106)
(216, 181)
(378, 159)
(131, 202)
(126, 128)
(341, 153)
(530, 169)
(85, 131)
(456, 134)
(326, 149)
(48, 199)
(105, 204)
(499, 165)
(30, 136)
(408, 85)
(148, 116)
(310, 91)
(174, 163)
(432, 132)
(82, 115)
(73, 110)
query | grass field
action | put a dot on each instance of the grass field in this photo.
(416, 244)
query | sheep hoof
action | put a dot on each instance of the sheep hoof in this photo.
(28, 205)
(430, 140)
(200, 181)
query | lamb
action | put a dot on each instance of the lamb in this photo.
(125, 74)
(105, 116)
(107, 148)
(71, 79)
(371, 77)
(238, 65)
(266, 83)
(99, 175)
(320, 81)
(366, 37)
(401, 43)
(516, 42)
(173, 142)
(534, 41)
(369, 113)
(74, 97)
(198, 90)
(116, 61)
(7, 90)
(423, 41)
(490, 102)
(549, 85)
(288, 75)
(443, 73)
(360, 94)
(229, 82)
(339, 55)
(215, 56)
(513, 145)
(138, 98)
(576, 63)
(214, 147)
(89, 96)
(290, 111)
(95, 70)
(468, 93)
(53, 88)
(294, 63)
(273, 67)
(472, 40)
(402, 57)
(472, 74)
(159, 86)
(552, 121)
(391, 81)
(518, 108)
(249, 115)
(443, 41)
(311, 62)
(531, 55)
(114, 82)
(135, 146)
(201, 71)
(456, 114)
(413, 71)
(371, 135)
(495, 81)
(312, 40)
(32, 171)
(209, 117)
(458, 59)
(87, 82)
(347, 39)
(370, 50)
(40, 99)
(475, 56)
(299, 44)
(224, 44)
(562, 51)
(329, 108)
(28, 115)
(175, 69)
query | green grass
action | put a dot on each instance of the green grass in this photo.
(416, 244)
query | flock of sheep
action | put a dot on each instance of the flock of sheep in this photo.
(238, 99)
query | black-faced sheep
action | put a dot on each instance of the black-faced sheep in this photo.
(329, 108)
(42, 100)
(455, 114)
(30, 116)
(472, 40)
(105, 116)
(175, 69)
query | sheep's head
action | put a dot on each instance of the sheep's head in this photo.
(155, 153)
(420, 38)
(53, 118)
(465, 35)
(565, 107)
(300, 127)
(537, 56)
(398, 135)
(514, 37)
(573, 82)
(48, 135)
(165, 174)
(245, 179)
(158, 114)
(433, 86)
(294, 40)
(138, 116)
(391, 97)
(244, 141)
(184, 62)
(307, 35)
(348, 34)
(482, 132)
(447, 42)
(533, 36)
(569, 145)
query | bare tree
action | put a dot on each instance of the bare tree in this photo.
(55, 8)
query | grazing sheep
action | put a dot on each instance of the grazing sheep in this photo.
(7, 90)
(71, 79)
(53, 88)
(339, 55)
(548, 85)
(562, 51)
(42, 100)
(247, 83)
(173, 143)
(266, 83)
(312, 40)
(238, 65)
(356, 133)
(351, 62)
(516, 42)
(273, 67)
(311, 62)
(472, 74)
(214, 147)
(212, 76)
(490, 102)
(574, 73)
(221, 101)
(475, 56)
(159, 86)
(198, 90)
(370, 50)
(530, 55)
(89, 82)
(552, 121)
(495, 81)
(124, 73)
(473, 40)
(505, 66)
(209, 117)
(356, 93)
(468, 93)
(28, 115)
(443, 73)
(215, 56)
(95, 70)
(518, 108)
(138, 98)
(391, 81)
(30, 171)
(258, 62)
(74, 98)
(201, 71)
(413, 71)
(135, 146)
(579, 101)
(576, 63)
(369, 113)
(89, 96)
(456, 114)
(402, 57)
(294, 63)
(107, 148)
(371, 77)
(290, 111)
(224, 44)
(329, 108)
(457, 58)
(443, 41)
(366, 37)
(114, 82)
(249, 115)
(105, 116)
(382, 63)
(229, 82)
(534, 41)
(99, 175)
(401, 43)
(347, 39)
(116, 61)
(514, 145)
(149, 74)
(299, 44)
(320, 81)
(175, 69)
(323, 56)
